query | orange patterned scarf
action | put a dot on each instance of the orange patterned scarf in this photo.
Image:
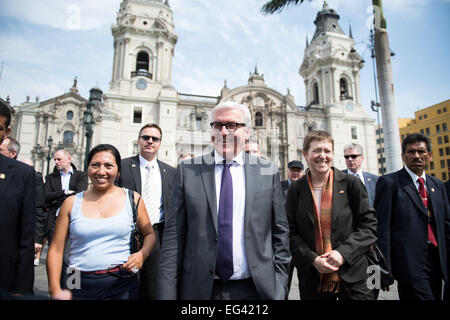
(322, 232)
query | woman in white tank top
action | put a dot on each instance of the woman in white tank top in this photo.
(99, 223)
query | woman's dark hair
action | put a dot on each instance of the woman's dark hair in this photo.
(105, 147)
(416, 137)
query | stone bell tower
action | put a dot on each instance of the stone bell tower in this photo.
(140, 90)
(330, 70)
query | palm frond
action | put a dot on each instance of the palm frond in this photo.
(274, 6)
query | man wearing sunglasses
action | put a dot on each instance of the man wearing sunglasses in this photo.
(226, 235)
(152, 179)
(353, 154)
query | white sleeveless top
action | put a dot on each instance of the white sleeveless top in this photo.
(99, 244)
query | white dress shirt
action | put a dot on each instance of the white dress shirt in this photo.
(358, 174)
(65, 179)
(414, 177)
(154, 210)
(240, 265)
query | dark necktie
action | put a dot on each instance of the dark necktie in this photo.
(224, 263)
(425, 200)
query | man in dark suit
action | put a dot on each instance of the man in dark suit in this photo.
(226, 233)
(61, 183)
(17, 188)
(10, 148)
(152, 178)
(354, 157)
(414, 223)
(295, 172)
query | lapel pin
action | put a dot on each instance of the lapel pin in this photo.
(2, 176)
(341, 192)
(133, 165)
(368, 179)
(432, 189)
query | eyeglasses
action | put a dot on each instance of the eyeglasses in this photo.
(230, 126)
(146, 138)
(353, 156)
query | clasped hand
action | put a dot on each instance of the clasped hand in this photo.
(136, 260)
(329, 262)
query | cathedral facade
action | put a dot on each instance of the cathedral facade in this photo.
(141, 92)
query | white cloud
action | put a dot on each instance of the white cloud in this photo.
(63, 14)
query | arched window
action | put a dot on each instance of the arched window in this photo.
(315, 94)
(69, 115)
(142, 61)
(258, 119)
(143, 65)
(68, 137)
(343, 87)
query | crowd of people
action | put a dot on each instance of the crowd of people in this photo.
(221, 226)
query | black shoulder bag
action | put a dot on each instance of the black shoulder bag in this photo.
(136, 237)
(377, 259)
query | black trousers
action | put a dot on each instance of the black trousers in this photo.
(354, 291)
(150, 269)
(429, 286)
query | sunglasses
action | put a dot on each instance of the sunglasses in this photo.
(353, 156)
(146, 138)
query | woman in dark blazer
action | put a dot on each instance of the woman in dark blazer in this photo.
(331, 226)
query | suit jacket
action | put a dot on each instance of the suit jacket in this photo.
(403, 224)
(41, 212)
(17, 198)
(54, 194)
(130, 178)
(353, 228)
(370, 182)
(188, 257)
(285, 187)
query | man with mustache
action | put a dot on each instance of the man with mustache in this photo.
(226, 235)
(414, 223)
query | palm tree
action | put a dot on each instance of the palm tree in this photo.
(385, 80)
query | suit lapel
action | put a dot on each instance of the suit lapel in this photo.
(72, 180)
(339, 193)
(6, 175)
(209, 183)
(407, 184)
(57, 180)
(431, 191)
(136, 173)
(306, 199)
(163, 171)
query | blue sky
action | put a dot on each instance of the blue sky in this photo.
(44, 47)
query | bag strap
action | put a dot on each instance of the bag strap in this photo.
(134, 206)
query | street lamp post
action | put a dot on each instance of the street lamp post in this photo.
(375, 105)
(49, 153)
(95, 96)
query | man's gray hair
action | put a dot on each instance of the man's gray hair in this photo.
(233, 105)
(356, 146)
(13, 145)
